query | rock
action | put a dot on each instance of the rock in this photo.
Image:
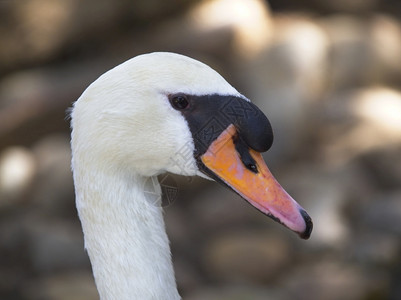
(369, 121)
(218, 207)
(383, 213)
(331, 280)
(247, 256)
(178, 223)
(384, 167)
(355, 6)
(30, 28)
(249, 20)
(323, 193)
(28, 38)
(301, 47)
(238, 292)
(187, 275)
(385, 42)
(17, 170)
(285, 79)
(55, 245)
(64, 286)
(29, 113)
(380, 106)
(371, 247)
(364, 51)
(14, 258)
(350, 51)
(54, 191)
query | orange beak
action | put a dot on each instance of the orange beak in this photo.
(259, 188)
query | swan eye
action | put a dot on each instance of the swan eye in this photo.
(179, 102)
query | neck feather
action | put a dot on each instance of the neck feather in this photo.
(125, 235)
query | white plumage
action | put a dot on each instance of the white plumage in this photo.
(125, 130)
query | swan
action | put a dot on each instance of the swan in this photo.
(162, 112)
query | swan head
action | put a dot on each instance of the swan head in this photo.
(163, 112)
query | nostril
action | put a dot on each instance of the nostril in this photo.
(243, 151)
(252, 167)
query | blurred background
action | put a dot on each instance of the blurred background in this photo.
(326, 73)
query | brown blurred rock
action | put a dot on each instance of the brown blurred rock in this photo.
(363, 50)
(238, 292)
(218, 207)
(384, 165)
(55, 245)
(286, 79)
(246, 256)
(383, 213)
(187, 275)
(385, 41)
(63, 286)
(249, 21)
(373, 247)
(330, 280)
(362, 121)
(323, 193)
(54, 191)
(34, 103)
(350, 50)
(17, 170)
(350, 6)
(37, 31)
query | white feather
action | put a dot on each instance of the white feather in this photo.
(124, 132)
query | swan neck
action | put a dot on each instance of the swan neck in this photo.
(125, 235)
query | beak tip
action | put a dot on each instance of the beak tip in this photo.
(308, 225)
